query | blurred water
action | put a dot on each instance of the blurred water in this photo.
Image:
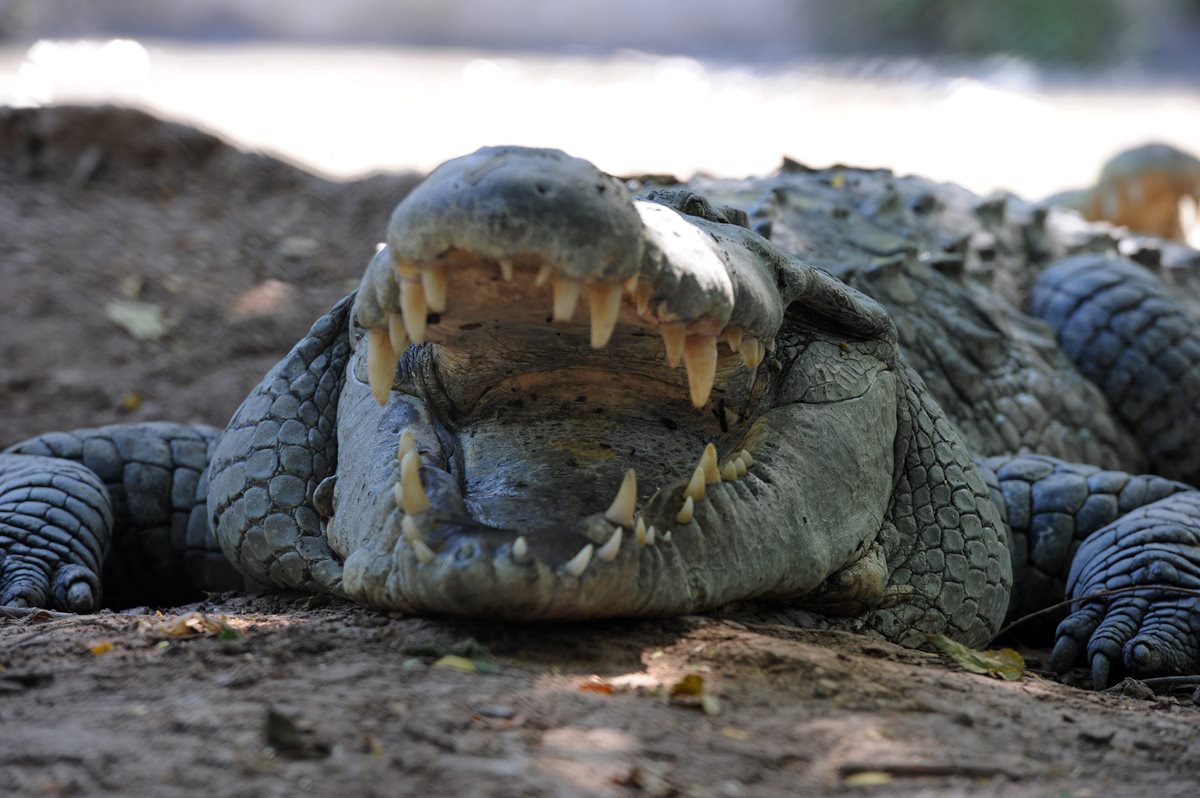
(349, 111)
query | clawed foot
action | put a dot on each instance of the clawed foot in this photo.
(55, 523)
(1145, 632)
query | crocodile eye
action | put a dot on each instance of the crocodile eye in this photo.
(698, 206)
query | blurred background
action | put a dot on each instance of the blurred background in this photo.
(1025, 95)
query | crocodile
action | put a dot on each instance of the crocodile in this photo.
(831, 398)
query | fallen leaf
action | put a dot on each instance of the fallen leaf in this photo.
(456, 663)
(145, 321)
(194, 624)
(734, 733)
(690, 685)
(1003, 663)
(868, 778)
(101, 648)
(596, 687)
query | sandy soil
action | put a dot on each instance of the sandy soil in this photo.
(284, 695)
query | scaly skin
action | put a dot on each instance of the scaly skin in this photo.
(459, 438)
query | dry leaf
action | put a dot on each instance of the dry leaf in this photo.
(457, 663)
(101, 648)
(1003, 663)
(145, 321)
(868, 778)
(596, 687)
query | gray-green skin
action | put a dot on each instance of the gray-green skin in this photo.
(869, 505)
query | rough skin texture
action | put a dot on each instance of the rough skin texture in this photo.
(863, 403)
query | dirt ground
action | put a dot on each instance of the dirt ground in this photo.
(149, 271)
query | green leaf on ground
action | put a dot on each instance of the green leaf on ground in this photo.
(1002, 663)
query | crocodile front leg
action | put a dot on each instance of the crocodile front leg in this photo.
(280, 445)
(55, 527)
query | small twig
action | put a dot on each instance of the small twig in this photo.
(14, 613)
(1098, 594)
(1164, 684)
(918, 769)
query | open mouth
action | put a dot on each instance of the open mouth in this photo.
(577, 392)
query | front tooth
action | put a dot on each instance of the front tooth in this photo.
(733, 337)
(424, 553)
(729, 472)
(412, 303)
(566, 295)
(639, 532)
(579, 563)
(700, 357)
(409, 527)
(708, 461)
(674, 333)
(433, 281)
(396, 334)
(608, 552)
(412, 496)
(407, 444)
(650, 533)
(381, 364)
(605, 306)
(621, 511)
(695, 486)
(506, 269)
(686, 512)
(520, 549)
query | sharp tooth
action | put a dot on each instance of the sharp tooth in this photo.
(708, 461)
(731, 418)
(566, 295)
(608, 552)
(746, 458)
(543, 275)
(769, 344)
(413, 496)
(695, 486)
(506, 269)
(685, 513)
(407, 444)
(605, 307)
(433, 281)
(733, 337)
(520, 549)
(639, 532)
(579, 563)
(381, 364)
(398, 495)
(412, 302)
(666, 538)
(650, 533)
(641, 300)
(396, 333)
(621, 511)
(674, 333)
(740, 465)
(751, 351)
(424, 553)
(631, 285)
(409, 527)
(729, 472)
(700, 357)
